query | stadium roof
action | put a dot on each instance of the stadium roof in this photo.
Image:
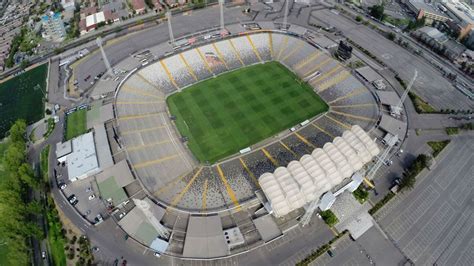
(82, 161)
(138, 225)
(103, 150)
(303, 181)
(267, 227)
(392, 125)
(368, 74)
(205, 238)
(388, 97)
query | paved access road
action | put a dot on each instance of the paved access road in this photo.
(434, 223)
(430, 84)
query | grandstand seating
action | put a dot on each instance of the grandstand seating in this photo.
(143, 125)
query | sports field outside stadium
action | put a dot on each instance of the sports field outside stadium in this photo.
(223, 115)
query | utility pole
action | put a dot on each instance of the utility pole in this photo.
(168, 17)
(104, 56)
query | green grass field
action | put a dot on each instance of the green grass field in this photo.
(21, 97)
(76, 124)
(222, 115)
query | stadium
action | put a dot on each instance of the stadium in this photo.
(207, 129)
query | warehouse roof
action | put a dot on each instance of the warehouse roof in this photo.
(303, 181)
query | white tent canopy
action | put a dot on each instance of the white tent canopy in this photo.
(303, 181)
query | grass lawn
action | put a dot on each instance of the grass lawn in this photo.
(22, 97)
(438, 146)
(420, 105)
(56, 241)
(222, 115)
(76, 124)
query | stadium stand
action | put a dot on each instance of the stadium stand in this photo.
(169, 172)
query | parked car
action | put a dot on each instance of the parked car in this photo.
(72, 198)
(43, 255)
(330, 253)
(62, 185)
(157, 254)
(91, 197)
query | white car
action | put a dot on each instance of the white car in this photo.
(91, 197)
(157, 254)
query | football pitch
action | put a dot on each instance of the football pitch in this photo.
(22, 97)
(223, 115)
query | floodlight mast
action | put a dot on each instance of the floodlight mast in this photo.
(407, 90)
(381, 159)
(145, 208)
(221, 6)
(309, 212)
(285, 18)
(104, 56)
(170, 29)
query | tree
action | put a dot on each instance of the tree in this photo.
(359, 18)
(391, 36)
(24, 64)
(329, 217)
(18, 131)
(377, 11)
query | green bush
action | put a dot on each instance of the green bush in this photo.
(329, 217)
(381, 203)
(359, 18)
(452, 131)
(438, 146)
(361, 194)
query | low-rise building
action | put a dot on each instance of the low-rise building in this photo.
(138, 6)
(439, 42)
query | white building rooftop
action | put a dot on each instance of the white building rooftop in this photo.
(82, 161)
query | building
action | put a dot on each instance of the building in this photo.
(469, 41)
(80, 156)
(425, 10)
(463, 16)
(53, 27)
(439, 42)
(68, 5)
(138, 6)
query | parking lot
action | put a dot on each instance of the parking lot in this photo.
(86, 192)
(433, 223)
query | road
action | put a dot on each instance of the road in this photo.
(182, 24)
